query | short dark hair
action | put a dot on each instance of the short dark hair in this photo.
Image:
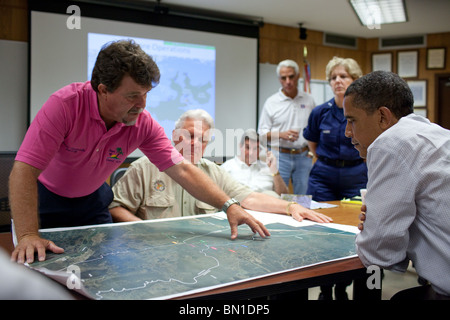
(118, 58)
(382, 88)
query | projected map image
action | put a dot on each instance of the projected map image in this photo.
(187, 76)
(160, 259)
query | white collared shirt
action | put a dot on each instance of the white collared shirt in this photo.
(281, 113)
(257, 176)
(408, 201)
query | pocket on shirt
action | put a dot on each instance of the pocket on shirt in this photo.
(160, 201)
(204, 207)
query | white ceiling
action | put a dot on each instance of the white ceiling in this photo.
(335, 16)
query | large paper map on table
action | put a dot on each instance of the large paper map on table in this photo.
(168, 258)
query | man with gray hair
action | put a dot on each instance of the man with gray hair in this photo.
(248, 169)
(407, 215)
(80, 136)
(146, 193)
(283, 118)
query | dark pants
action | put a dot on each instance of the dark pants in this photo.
(328, 183)
(56, 211)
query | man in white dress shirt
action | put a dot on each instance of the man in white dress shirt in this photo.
(407, 213)
(249, 170)
(284, 116)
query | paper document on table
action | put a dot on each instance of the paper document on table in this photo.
(306, 201)
(167, 258)
(321, 205)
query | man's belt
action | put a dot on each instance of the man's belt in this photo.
(340, 163)
(290, 150)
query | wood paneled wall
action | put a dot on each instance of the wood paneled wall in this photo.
(276, 43)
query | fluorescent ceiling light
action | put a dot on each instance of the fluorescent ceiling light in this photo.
(377, 12)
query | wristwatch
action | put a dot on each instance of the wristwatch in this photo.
(228, 203)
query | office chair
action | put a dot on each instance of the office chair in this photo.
(116, 175)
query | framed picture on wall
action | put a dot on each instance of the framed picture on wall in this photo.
(382, 61)
(436, 58)
(421, 111)
(419, 91)
(408, 63)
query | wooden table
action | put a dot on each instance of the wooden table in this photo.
(323, 274)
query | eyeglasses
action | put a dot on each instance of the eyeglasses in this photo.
(290, 77)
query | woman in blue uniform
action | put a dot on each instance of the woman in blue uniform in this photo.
(339, 171)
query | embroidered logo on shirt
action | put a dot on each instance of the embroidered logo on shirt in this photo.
(159, 185)
(115, 154)
(302, 106)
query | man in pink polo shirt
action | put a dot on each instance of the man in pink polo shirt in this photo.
(80, 136)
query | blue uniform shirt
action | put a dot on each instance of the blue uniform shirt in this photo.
(326, 127)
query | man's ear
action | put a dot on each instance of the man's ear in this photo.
(387, 118)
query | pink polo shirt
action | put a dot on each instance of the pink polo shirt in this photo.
(68, 140)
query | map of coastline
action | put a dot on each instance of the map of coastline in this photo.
(169, 258)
